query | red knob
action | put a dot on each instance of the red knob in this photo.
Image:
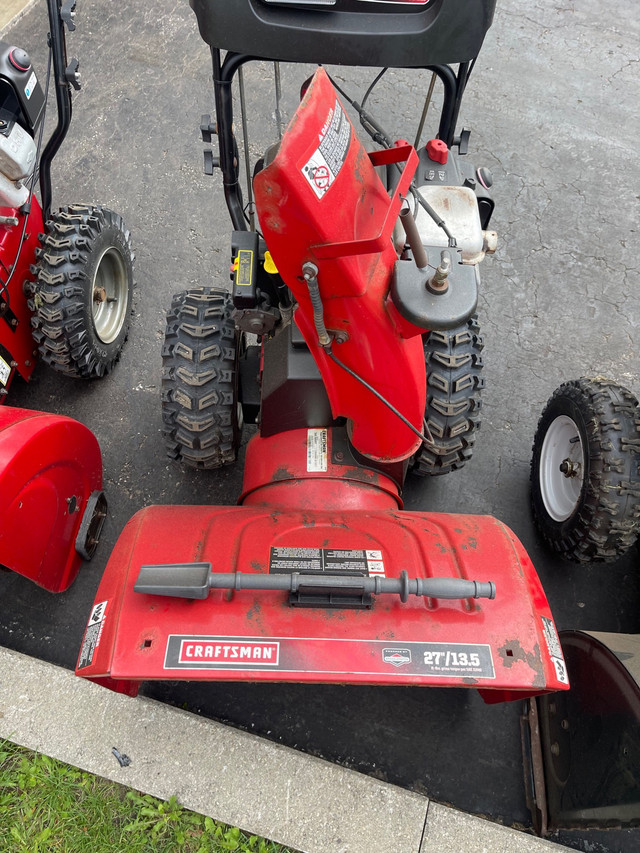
(437, 150)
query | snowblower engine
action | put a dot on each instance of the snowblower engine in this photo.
(21, 106)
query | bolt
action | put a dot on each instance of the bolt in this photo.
(569, 468)
(565, 725)
(309, 271)
(555, 749)
(439, 282)
(339, 456)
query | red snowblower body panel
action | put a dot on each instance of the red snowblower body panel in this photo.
(51, 506)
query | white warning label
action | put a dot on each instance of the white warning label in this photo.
(555, 650)
(316, 450)
(92, 635)
(5, 371)
(321, 169)
(330, 560)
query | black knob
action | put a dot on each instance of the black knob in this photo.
(19, 58)
(485, 177)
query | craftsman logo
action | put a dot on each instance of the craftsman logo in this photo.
(397, 657)
(229, 651)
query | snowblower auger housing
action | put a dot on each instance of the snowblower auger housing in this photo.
(319, 575)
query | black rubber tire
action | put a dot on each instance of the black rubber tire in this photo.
(86, 254)
(202, 423)
(606, 519)
(454, 384)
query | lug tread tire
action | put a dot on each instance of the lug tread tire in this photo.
(61, 297)
(606, 521)
(454, 384)
(201, 426)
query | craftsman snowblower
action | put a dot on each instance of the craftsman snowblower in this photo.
(358, 273)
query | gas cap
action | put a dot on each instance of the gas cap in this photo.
(19, 58)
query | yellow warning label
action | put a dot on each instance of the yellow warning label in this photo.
(243, 266)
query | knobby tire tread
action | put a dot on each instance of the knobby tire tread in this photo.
(454, 383)
(200, 380)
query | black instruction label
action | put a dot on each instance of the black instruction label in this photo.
(330, 560)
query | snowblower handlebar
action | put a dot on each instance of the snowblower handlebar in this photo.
(194, 580)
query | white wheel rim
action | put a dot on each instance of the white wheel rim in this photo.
(561, 489)
(110, 295)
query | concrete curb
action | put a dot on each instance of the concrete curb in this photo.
(262, 787)
(16, 9)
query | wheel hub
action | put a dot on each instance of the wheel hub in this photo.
(570, 468)
(110, 296)
(561, 468)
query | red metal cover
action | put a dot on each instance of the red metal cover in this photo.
(49, 467)
(321, 200)
(16, 342)
(506, 647)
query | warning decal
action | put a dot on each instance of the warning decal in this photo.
(555, 649)
(330, 560)
(92, 635)
(5, 371)
(244, 267)
(322, 168)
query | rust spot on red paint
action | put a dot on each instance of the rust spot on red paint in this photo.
(512, 651)
(282, 473)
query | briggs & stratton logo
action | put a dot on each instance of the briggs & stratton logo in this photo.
(396, 657)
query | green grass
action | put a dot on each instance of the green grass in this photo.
(49, 807)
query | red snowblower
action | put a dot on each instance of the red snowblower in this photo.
(66, 282)
(357, 271)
